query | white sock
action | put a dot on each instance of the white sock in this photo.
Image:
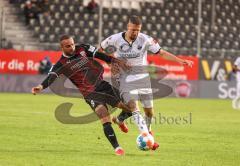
(117, 148)
(117, 120)
(139, 121)
(148, 122)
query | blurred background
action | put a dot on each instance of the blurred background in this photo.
(205, 31)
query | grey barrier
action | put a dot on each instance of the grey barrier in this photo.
(180, 88)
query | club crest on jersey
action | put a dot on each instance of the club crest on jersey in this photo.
(110, 49)
(125, 47)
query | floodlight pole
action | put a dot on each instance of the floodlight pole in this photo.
(199, 28)
(100, 23)
(213, 13)
(2, 15)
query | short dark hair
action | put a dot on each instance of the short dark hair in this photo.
(135, 20)
(64, 37)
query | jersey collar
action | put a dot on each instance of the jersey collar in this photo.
(64, 55)
(124, 37)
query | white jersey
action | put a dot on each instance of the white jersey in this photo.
(136, 55)
(135, 52)
(237, 63)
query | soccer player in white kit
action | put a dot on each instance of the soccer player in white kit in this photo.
(236, 69)
(135, 85)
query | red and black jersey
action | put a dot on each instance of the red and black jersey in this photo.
(81, 68)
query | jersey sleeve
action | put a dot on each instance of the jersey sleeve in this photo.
(153, 45)
(89, 49)
(107, 42)
(56, 69)
(54, 73)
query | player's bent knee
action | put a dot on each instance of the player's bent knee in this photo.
(102, 113)
(149, 112)
(105, 120)
(132, 105)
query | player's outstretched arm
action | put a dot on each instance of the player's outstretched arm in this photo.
(46, 83)
(37, 89)
(122, 63)
(169, 56)
(114, 67)
(110, 59)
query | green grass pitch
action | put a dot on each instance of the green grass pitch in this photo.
(208, 134)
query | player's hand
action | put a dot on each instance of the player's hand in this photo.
(122, 63)
(37, 89)
(186, 62)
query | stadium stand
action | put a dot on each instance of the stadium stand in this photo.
(174, 23)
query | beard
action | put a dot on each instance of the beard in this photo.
(69, 54)
(133, 37)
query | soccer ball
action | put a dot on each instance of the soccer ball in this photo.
(183, 89)
(145, 141)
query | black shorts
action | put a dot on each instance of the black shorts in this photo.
(105, 94)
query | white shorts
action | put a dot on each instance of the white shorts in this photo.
(143, 95)
(137, 87)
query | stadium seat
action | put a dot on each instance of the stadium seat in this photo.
(57, 30)
(173, 22)
(42, 37)
(52, 38)
(81, 9)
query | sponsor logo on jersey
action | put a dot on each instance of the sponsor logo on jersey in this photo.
(125, 47)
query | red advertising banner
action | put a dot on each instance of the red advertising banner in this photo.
(175, 70)
(24, 62)
(27, 62)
